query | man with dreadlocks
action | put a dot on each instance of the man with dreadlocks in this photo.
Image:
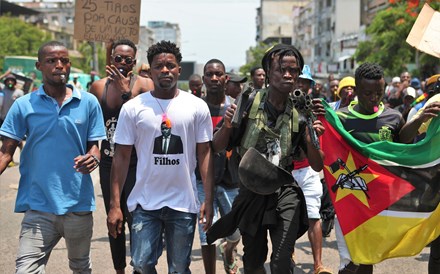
(273, 127)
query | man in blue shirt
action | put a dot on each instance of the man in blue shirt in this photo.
(62, 127)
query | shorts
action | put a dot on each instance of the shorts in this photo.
(310, 183)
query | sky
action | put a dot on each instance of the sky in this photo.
(222, 29)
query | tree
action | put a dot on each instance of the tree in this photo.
(387, 46)
(257, 54)
(85, 63)
(19, 38)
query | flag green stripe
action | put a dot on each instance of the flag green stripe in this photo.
(424, 153)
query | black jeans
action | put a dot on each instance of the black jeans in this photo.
(283, 236)
(117, 245)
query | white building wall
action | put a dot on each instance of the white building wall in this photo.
(146, 39)
(347, 14)
(276, 18)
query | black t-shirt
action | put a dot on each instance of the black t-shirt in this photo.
(225, 162)
(381, 126)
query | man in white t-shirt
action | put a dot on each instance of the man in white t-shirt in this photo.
(164, 197)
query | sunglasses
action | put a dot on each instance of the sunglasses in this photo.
(128, 59)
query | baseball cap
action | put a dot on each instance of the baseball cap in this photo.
(410, 91)
(415, 83)
(236, 78)
(395, 80)
(307, 74)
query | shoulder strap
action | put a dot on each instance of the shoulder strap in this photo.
(258, 103)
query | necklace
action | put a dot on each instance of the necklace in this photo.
(165, 118)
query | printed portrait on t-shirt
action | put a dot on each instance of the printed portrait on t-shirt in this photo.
(167, 143)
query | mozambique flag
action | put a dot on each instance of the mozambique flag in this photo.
(386, 195)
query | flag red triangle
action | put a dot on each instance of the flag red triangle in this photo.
(374, 187)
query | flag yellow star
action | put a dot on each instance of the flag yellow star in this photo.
(343, 192)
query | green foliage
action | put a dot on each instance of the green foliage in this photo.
(85, 63)
(387, 44)
(19, 38)
(257, 54)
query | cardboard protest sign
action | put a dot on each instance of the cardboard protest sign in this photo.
(425, 33)
(104, 20)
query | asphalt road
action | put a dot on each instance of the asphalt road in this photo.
(101, 259)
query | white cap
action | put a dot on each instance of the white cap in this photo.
(410, 91)
(396, 80)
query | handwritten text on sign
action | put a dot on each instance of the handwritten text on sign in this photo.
(104, 20)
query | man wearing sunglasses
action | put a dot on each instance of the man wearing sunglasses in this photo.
(112, 92)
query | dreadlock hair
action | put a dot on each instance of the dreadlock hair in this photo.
(50, 44)
(163, 47)
(280, 50)
(124, 42)
(370, 71)
(214, 61)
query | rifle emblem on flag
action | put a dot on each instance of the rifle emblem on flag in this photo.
(350, 179)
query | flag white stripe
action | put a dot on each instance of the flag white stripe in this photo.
(405, 214)
(391, 163)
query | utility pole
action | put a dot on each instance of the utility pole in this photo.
(95, 57)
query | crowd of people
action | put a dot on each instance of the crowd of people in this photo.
(238, 159)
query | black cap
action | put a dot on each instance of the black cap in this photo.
(237, 78)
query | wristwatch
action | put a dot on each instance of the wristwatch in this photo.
(126, 95)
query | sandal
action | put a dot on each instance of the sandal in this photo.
(229, 268)
(323, 270)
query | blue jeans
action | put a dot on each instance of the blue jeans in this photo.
(147, 246)
(223, 199)
(41, 231)
(201, 196)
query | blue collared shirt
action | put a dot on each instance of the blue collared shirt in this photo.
(55, 135)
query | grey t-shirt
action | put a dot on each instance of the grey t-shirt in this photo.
(9, 96)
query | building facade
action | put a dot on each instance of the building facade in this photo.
(327, 32)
